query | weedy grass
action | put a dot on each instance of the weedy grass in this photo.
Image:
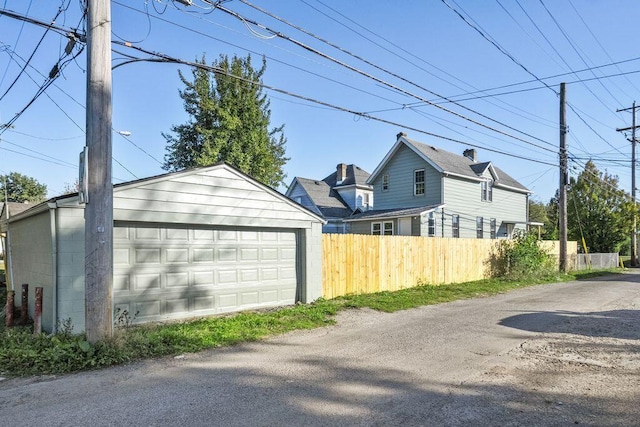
(22, 353)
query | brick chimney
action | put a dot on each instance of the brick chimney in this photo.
(470, 154)
(341, 173)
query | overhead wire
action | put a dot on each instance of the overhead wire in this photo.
(378, 80)
(218, 70)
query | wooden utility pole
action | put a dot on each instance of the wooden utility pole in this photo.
(564, 178)
(634, 234)
(98, 278)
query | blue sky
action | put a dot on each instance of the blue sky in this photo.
(422, 48)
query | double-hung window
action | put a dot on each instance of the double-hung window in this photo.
(486, 191)
(418, 182)
(455, 226)
(492, 228)
(385, 182)
(479, 227)
(432, 224)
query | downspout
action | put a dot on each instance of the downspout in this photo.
(7, 257)
(54, 264)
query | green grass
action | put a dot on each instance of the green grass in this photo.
(22, 353)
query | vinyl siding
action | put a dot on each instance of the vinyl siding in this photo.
(70, 235)
(400, 169)
(215, 197)
(32, 262)
(463, 197)
(298, 191)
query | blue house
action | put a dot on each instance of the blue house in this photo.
(422, 190)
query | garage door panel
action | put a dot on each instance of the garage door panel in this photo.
(169, 273)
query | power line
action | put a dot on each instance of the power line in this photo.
(218, 70)
(387, 84)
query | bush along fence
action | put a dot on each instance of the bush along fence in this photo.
(359, 264)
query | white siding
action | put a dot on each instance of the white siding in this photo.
(70, 235)
(215, 197)
(32, 262)
(462, 197)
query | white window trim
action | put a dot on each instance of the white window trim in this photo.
(486, 191)
(415, 183)
(385, 182)
(480, 227)
(382, 225)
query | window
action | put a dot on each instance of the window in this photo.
(492, 228)
(382, 228)
(486, 191)
(376, 228)
(365, 200)
(385, 182)
(432, 224)
(455, 226)
(388, 228)
(418, 182)
(479, 227)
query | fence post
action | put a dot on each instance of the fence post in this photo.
(37, 316)
(9, 308)
(24, 309)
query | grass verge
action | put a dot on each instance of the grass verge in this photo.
(22, 353)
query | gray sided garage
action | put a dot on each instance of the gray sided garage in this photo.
(193, 243)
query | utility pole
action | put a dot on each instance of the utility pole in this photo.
(98, 278)
(564, 177)
(634, 236)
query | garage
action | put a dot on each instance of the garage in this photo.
(186, 244)
(165, 272)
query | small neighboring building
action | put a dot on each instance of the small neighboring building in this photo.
(422, 190)
(186, 244)
(335, 197)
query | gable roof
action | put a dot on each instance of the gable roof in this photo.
(448, 163)
(324, 194)
(199, 174)
(326, 199)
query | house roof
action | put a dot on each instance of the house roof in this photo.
(450, 163)
(355, 176)
(35, 208)
(14, 208)
(391, 213)
(327, 200)
(324, 194)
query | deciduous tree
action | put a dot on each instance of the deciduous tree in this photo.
(21, 188)
(229, 121)
(599, 210)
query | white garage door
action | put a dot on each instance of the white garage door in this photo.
(166, 272)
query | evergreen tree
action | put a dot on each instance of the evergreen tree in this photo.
(229, 122)
(21, 188)
(599, 210)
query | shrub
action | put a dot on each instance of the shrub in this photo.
(522, 257)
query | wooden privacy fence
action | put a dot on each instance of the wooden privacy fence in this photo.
(359, 264)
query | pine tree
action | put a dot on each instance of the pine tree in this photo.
(229, 122)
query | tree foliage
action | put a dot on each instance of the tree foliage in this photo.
(522, 257)
(21, 188)
(546, 214)
(599, 210)
(229, 122)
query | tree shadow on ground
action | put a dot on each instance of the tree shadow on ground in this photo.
(622, 324)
